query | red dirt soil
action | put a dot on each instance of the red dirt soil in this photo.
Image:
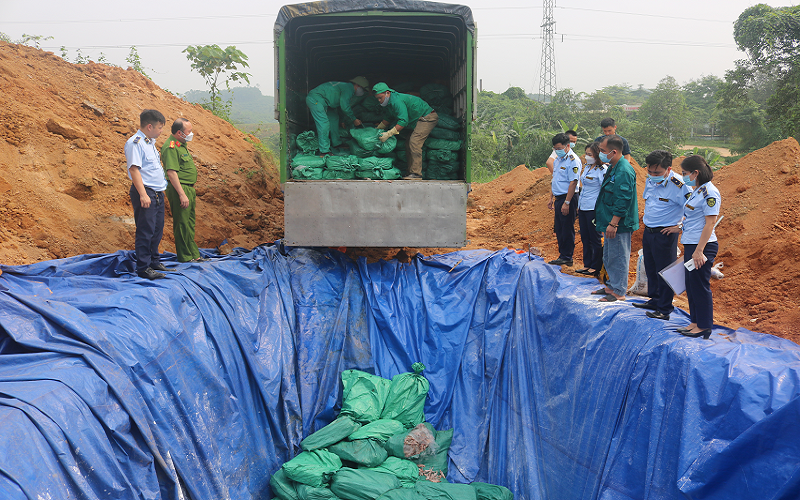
(64, 189)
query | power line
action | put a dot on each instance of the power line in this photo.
(580, 9)
(137, 20)
(599, 38)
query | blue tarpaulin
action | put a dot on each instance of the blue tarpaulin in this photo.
(202, 384)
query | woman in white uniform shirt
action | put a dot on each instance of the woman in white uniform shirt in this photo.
(591, 182)
(699, 244)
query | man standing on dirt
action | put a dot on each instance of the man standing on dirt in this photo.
(147, 193)
(182, 175)
(564, 198)
(609, 127)
(616, 214)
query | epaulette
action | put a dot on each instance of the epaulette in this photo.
(172, 144)
(676, 181)
(702, 190)
(136, 139)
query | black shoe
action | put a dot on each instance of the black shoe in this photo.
(645, 305)
(683, 330)
(702, 333)
(160, 267)
(657, 315)
(561, 262)
(413, 177)
(200, 259)
(150, 274)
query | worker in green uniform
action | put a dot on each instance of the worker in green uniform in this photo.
(412, 112)
(182, 175)
(323, 100)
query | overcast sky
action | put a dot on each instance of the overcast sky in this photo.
(597, 44)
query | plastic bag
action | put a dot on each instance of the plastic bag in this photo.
(380, 430)
(366, 452)
(283, 487)
(307, 173)
(305, 492)
(432, 143)
(406, 400)
(485, 491)
(307, 142)
(639, 286)
(401, 494)
(362, 484)
(363, 394)
(308, 161)
(441, 155)
(404, 470)
(367, 138)
(332, 433)
(443, 133)
(447, 121)
(314, 468)
(445, 491)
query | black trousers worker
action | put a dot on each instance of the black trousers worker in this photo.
(564, 226)
(149, 228)
(659, 250)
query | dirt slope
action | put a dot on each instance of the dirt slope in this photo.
(63, 181)
(64, 189)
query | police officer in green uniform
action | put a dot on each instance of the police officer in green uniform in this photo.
(182, 175)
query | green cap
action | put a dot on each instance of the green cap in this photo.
(381, 87)
(361, 82)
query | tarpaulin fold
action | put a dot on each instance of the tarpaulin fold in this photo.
(202, 384)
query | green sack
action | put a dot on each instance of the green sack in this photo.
(358, 151)
(338, 174)
(307, 173)
(402, 494)
(442, 171)
(341, 162)
(436, 95)
(306, 492)
(368, 138)
(388, 145)
(484, 491)
(307, 142)
(366, 452)
(406, 400)
(432, 143)
(447, 121)
(445, 491)
(380, 430)
(363, 394)
(332, 433)
(376, 162)
(362, 484)
(307, 161)
(404, 470)
(443, 133)
(441, 155)
(439, 460)
(378, 174)
(283, 487)
(314, 468)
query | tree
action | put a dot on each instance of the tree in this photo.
(701, 100)
(212, 62)
(769, 36)
(135, 62)
(515, 93)
(663, 118)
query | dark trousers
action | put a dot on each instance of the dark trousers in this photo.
(149, 227)
(659, 251)
(592, 244)
(564, 226)
(698, 286)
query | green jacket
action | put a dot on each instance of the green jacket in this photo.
(176, 156)
(407, 109)
(618, 197)
(336, 95)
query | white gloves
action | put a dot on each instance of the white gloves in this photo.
(381, 126)
(392, 131)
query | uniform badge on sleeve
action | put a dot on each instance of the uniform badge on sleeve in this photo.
(711, 202)
(688, 195)
(575, 169)
(136, 139)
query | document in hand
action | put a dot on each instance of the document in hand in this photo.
(673, 274)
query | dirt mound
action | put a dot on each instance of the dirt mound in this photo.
(63, 181)
(504, 187)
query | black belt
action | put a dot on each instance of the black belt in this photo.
(654, 229)
(187, 184)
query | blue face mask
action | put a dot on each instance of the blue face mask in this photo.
(687, 180)
(655, 178)
(604, 157)
(561, 153)
(571, 145)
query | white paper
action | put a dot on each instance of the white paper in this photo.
(674, 275)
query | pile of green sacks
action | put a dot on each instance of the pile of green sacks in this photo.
(441, 149)
(371, 158)
(379, 448)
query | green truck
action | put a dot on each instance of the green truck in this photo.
(403, 43)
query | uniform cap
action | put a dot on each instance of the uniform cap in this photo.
(380, 88)
(361, 82)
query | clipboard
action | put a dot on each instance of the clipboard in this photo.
(674, 275)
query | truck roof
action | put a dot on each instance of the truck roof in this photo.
(289, 12)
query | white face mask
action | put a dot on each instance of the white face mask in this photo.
(359, 91)
(386, 101)
(590, 160)
(189, 137)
